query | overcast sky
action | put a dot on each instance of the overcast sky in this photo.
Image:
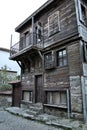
(12, 13)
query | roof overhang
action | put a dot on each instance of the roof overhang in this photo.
(17, 29)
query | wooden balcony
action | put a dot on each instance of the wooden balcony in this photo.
(32, 41)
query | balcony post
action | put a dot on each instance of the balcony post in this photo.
(32, 29)
(10, 44)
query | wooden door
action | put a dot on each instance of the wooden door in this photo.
(16, 96)
(38, 89)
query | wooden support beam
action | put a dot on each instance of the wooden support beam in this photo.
(20, 65)
(40, 54)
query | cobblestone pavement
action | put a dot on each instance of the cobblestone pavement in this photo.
(12, 122)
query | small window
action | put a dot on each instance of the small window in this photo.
(61, 58)
(57, 98)
(49, 60)
(27, 96)
(53, 23)
(26, 39)
(83, 12)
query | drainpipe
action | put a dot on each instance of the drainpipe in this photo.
(84, 99)
(68, 104)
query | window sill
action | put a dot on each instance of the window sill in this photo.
(56, 106)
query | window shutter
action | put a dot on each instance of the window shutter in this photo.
(53, 23)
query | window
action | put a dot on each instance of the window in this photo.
(53, 23)
(84, 15)
(39, 31)
(85, 52)
(27, 96)
(57, 98)
(27, 39)
(83, 12)
(49, 60)
(61, 58)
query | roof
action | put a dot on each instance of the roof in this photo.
(5, 92)
(9, 71)
(34, 14)
(15, 82)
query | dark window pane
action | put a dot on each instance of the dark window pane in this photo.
(61, 58)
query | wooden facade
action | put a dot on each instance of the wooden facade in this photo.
(52, 56)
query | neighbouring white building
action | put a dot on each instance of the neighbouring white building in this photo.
(4, 60)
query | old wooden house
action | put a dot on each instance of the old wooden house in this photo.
(52, 54)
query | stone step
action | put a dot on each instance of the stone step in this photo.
(32, 108)
(35, 108)
(30, 112)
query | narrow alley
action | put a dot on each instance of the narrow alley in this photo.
(12, 122)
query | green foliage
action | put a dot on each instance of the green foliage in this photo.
(5, 87)
(18, 77)
(5, 78)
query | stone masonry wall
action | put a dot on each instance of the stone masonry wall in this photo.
(5, 101)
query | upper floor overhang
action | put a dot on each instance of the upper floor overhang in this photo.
(35, 14)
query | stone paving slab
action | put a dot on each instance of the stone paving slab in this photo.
(68, 124)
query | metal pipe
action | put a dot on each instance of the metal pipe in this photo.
(68, 105)
(84, 99)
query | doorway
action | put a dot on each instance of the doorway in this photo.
(38, 88)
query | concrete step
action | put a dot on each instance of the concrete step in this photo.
(30, 112)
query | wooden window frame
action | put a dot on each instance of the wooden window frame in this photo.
(51, 98)
(51, 24)
(30, 95)
(82, 9)
(61, 58)
(49, 63)
(26, 39)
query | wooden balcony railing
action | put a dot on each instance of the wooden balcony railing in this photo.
(32, 39)
(49, 65)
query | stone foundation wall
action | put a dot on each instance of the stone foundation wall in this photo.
(76, 96)
(5, 101)
(55, 111)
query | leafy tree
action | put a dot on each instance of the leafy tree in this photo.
(5, 78)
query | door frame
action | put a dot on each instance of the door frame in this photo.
(37, 75)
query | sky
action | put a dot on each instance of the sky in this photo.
(12, 13)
